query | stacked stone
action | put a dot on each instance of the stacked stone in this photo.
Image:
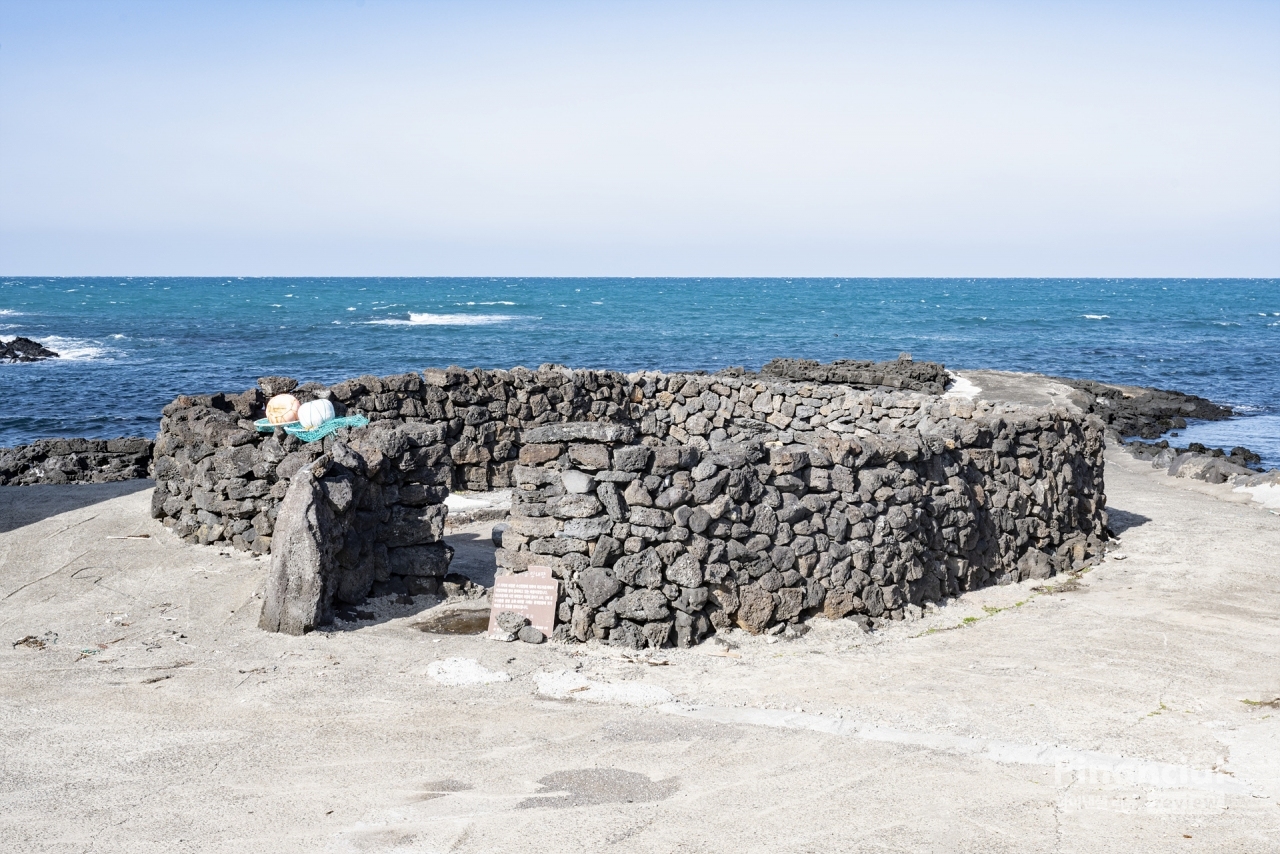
(928, 377)
(75, 461)
(365, 517)
(484, 410)
(241, 474)
(219, 480)
(658, 543)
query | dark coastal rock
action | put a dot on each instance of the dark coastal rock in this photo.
(271, 386)
(1147, 413)
(593, 431)
(1222, 464)
(928, 377)
(24, 350)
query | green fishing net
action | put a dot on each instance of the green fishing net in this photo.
(330, 426)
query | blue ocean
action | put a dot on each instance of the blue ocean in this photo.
(130, 345)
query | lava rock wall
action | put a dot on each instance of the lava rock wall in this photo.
(218, 478)
(360, 519)
(662, 544)
(668, 504)
(75, 461)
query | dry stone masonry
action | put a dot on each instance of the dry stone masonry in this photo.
(366, 516)
(660, 544)
(668, 504)
(75, 461)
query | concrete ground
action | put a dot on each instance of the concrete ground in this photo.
(1132, 709)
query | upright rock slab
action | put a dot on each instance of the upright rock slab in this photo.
(301, 560)
(340, 535)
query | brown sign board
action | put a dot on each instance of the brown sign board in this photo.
(533, 593)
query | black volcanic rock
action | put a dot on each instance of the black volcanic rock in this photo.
(928, 377)
(25, 350)
(1148, 413)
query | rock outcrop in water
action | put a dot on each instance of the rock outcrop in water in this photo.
(1146, 413)
(24, 350)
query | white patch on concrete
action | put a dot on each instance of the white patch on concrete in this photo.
(1141, 772)
(567, 685)
(477, 500)
(1266, 494)
(963, 387)
(464, 671)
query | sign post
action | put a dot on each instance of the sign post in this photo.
(533, 593)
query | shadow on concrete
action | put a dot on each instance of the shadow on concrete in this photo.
(1120, 521)
(473, 557)
(473, 554)
(25, 505)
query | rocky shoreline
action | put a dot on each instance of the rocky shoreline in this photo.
(1145, 413)
(1135, 415)
(24, 350)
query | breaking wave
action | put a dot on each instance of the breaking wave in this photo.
(427, 319)
(77, 349)
(1095, 316)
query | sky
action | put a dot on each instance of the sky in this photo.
(644, 138)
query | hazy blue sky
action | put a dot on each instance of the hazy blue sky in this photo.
(640, 138)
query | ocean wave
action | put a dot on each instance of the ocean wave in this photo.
(490, 302)
(1096, 316)
(1225, 323)
(427, 319)
(8, 312)
(77, 349)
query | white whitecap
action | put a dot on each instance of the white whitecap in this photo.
(119, 337)
(351, 308)
(76, 349)
(8, 312)
(1095, 316)
(427, 319)
(498, 302)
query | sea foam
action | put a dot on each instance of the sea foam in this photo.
(428, 319)
(76, 349)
